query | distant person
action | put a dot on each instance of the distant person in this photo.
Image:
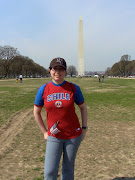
(16, 79)
(20, 77)
(63, 132)
(99, 77)
(102, 78)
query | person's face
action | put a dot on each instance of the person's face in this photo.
(58, 73)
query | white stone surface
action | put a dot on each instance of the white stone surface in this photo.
(81, 51)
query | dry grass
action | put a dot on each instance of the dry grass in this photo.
(107, 152)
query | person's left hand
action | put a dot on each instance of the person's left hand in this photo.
(45, 135)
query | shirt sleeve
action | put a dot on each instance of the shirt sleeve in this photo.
(79, 99)
(39, 97)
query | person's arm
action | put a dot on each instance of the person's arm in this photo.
(83, 110)
(39, 120)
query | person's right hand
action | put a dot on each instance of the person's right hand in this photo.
(45, 135)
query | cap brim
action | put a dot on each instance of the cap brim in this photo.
(58, 65)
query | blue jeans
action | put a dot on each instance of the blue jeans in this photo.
(54, 149)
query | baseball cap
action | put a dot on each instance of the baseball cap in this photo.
(58, 62)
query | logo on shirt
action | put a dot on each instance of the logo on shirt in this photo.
(58, 96)
(58, 104)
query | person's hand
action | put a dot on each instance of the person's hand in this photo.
(83, 133)
(45, 135)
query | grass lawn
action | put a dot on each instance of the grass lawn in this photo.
(108, 149)
(113, 95)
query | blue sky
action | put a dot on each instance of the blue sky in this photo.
(45, 29)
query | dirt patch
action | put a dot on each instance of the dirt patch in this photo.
(11, 129)
(107, 153)
(22, 154)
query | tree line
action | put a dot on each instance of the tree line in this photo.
(125, 67)
(13, 64)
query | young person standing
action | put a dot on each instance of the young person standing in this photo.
(63, 132)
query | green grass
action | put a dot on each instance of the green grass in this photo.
(107, 103)
(113, 93)
(17, 96)
(112, 100)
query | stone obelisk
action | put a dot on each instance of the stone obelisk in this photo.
(81, 53)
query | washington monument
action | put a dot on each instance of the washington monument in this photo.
(81, 53)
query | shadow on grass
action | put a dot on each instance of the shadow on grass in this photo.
(124, 178)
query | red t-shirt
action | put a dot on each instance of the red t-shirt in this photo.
(59, 105)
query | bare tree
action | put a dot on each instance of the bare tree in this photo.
(122, 65)
(125, 57)
(1, 68)
(7, 53)
(108, 71)
(130, 68)
(125, 67)
(71, 70)
(27, 67)
(115, 70)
